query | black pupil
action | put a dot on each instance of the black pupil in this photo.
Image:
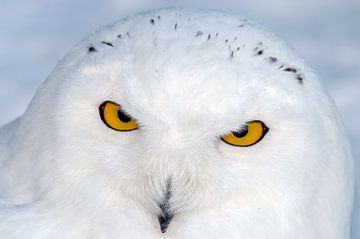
(241, 133)
(123, 117)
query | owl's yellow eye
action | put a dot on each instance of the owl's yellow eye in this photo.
(116, 119)
(249, 135)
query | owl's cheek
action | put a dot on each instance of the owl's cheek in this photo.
(226, 222)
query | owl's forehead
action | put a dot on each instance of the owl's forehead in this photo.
(187, 60)
(182, 37)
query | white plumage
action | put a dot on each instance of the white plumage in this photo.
(188, 77)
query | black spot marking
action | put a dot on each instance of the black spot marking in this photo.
(159, 18)
(281, 66)
(235, 38)
(175, 26)
(152, 21)
(232, 54)
(290, 69)
(226, 40)
(199, 33)
(107, 43)
(259, 53)
(92, 49)
(272, 59)
(209, 36)
(119, 36)
(300, 78)
(217, 34)
(238, 48)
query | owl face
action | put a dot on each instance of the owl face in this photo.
(196, 119)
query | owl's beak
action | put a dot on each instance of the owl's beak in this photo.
(166, 213)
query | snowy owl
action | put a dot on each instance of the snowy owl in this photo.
(177, 123)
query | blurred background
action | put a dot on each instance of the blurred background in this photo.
(35, 34)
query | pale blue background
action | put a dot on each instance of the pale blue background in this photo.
(35, 34)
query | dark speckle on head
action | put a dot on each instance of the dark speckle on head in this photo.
(232, 54)
(260, 52)
(226, 40)
(119, 36)
(209, 36)
(152, 21)
(235, 38)
(238, 48)
(92, 49)
(199, 33)
(217, 34)
(175, 26)
(272, 59)
(300, 78)
(158, 17)
(290, 69)
(281, 66)
(241, 25)
(107, 43)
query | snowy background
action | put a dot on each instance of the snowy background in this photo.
(35, 34)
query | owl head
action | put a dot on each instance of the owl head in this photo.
(188, 124)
